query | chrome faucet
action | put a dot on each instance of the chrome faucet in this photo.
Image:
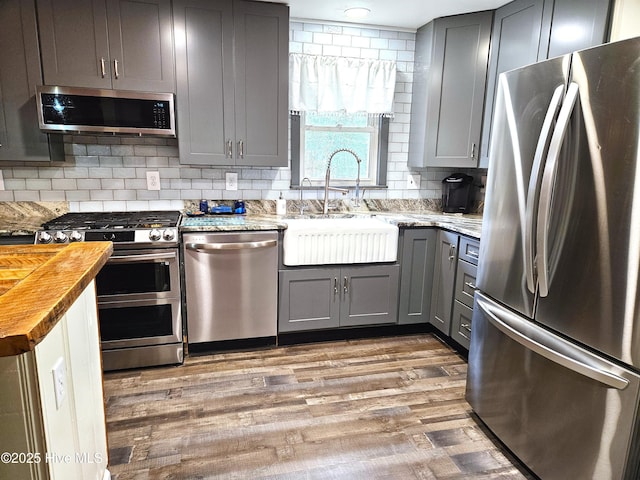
(327, 178)
(301, 185)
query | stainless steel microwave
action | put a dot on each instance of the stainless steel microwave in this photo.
(89, 110)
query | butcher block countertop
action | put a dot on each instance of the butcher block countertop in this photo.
(38, 284)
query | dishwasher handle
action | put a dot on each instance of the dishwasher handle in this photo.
(221, 247)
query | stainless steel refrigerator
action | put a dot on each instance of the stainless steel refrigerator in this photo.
(554, 362)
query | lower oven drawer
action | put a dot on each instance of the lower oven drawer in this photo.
(139, 323)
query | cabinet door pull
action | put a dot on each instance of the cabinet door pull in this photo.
(103, 70)
(470, 285)
(241, 148)
(452, 252)
(335, 285)
(466, 326)
(345, 285)
(115, 69)
(473, 253)
(229, 153)
(473, 150)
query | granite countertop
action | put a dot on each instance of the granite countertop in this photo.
(38, 284)
(26, 218)
(470, 225)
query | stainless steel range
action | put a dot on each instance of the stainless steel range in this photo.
(139, 291)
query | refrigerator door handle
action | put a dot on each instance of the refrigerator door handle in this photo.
(550, 346)
(546, 191)
(535, 179)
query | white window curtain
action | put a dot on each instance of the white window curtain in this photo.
(337, 84)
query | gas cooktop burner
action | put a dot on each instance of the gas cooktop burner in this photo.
(149, 227)
(109, 220)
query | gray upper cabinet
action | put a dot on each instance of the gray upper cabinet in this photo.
(232, 82)
(20, 137)
(113, 44)
(575, 25)
(515, 42)
(450, 77)
(527, 31)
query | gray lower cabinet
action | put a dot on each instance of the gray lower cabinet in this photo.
(112, 44)
(449, 85)
(416, 274)
(463, 297)
(20, 137)
(527, 31)
(454, 285)
(232, 82)
(332, 297)
(444, 278)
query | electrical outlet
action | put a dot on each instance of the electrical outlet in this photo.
(59, 381)
(413, 181)
(153, 180)
(232, 181)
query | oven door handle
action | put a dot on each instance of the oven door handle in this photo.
(144, 257)
(217, 247)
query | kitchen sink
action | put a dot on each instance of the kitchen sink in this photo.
(339, 239)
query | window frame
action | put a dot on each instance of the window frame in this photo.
(297, 139)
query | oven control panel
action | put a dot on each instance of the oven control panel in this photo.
(165, 236)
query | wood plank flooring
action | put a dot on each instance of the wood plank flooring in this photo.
(383, 408)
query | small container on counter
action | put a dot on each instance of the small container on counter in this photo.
(239, 208)
(204, 206)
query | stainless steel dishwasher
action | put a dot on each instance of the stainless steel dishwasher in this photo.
(231, 286)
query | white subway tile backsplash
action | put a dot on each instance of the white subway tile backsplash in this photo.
(76, 172)
(101, 194)
(322, 38)
(62, 184)
(111, 183)
(27, 196)
(48, 196)
(38, 184)
(78, 195)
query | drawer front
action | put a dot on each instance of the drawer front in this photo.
(465, 283)
(469, 250)
(461, 324)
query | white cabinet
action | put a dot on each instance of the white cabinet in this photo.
(71, 427)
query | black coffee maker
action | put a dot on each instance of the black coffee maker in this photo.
(457, 193)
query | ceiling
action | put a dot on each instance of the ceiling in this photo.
(401, 14)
